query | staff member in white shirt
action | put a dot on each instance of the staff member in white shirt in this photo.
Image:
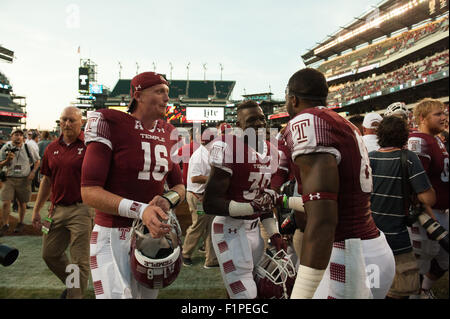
(370, 124)
(197, 177)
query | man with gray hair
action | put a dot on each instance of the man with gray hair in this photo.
(69, 222)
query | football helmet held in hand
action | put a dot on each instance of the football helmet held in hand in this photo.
(156, 262)
(275, 275)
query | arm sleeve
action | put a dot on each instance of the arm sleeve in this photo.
(221, 156)
(97, 130)
(96, 163)
(174, 177)
(308, 133)
(419, 146)
(45, 169)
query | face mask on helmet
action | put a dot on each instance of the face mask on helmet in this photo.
(397, 108)
(275, 275)
(156, 262)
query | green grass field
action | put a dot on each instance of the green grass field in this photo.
(30, 278)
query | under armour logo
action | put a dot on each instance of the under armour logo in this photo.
(234, 230)
(160, 130)
(80, 150)
(314, 196)
(55, 152)
(138, 126)
(138, 87)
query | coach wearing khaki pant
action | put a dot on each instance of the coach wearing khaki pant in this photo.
(69, 222)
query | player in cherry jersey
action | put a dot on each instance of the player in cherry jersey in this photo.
(341, 241)
(124, 172)
(241, 169)
(430, 118)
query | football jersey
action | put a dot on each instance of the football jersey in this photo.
(435, 161)
(250, 171)
(319, 130)
(140, 158)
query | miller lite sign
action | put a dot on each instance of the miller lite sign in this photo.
(83, 79)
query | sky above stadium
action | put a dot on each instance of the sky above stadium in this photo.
(258, 42)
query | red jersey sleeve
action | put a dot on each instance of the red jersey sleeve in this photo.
(96, 163)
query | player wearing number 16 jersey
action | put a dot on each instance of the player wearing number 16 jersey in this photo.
(126, 165)
(341, 241)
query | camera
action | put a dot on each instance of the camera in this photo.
(10, 148)
(8, 255)
(434, 229)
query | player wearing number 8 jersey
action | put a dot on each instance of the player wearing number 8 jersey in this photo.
(430, 117)
(341, 241)
(126, 165)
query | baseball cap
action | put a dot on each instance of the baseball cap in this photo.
(143, 81)
(370, 119)
(16, 130)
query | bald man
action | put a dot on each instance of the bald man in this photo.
(69, 221)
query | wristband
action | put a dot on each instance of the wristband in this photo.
(306, 283)
(172, 197)
(319, 196)
(131, 209)
(236, 209)
(285, 201)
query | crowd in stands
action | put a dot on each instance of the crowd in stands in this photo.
(383, 50)
(418, 70)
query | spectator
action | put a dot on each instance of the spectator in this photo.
(43, 143)
(197, 177)
(71, 220)
(187, 150)
(32, 141)
(18, 159)
(370, 124)
(388, 202)
(433, 259)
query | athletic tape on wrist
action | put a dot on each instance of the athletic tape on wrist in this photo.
(319, 196)
(270, 225)
(240, 209)
(296, 203)
(131, 209)
(306, 283)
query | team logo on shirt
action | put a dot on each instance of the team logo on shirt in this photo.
(138, 126)
(300, 128)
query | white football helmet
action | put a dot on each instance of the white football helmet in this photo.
(397, 108)
(156, 262)
(275, 275)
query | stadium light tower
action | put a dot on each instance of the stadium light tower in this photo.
(137, 68)
(154, 66)
(221, 69)
(204, 71)
(187, 67)
(120, 70)
(171, 68)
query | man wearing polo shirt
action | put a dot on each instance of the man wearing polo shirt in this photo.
(71, 220)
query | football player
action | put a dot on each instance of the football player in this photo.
(430, 118)
(241, 169)
(340, 241)
(124, 172)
